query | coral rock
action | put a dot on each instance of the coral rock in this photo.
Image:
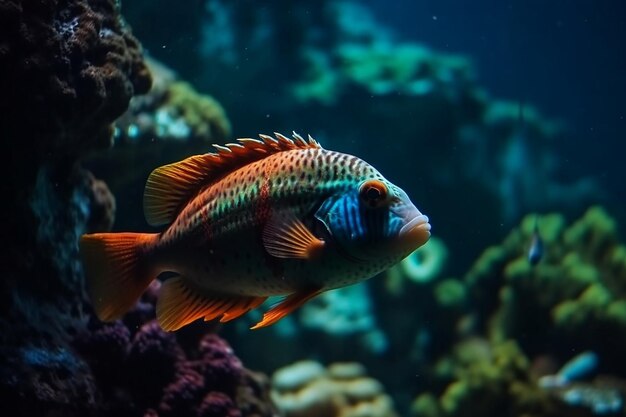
(573, 294)
(218, 404)
(307, 389)
(67, 70)
(218, 363)
(102, 205)
(172, 111)
(154, 355)
(181, 396)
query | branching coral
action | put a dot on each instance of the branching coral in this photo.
(382, 68)
(360, 57)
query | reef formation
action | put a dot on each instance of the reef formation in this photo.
(574, 296)
(68, 70)
(143, 370)
(167, 124)
(525, 320)
(171, 111)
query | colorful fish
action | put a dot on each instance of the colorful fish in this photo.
(258, 218)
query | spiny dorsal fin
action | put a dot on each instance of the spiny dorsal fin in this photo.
(170, 186)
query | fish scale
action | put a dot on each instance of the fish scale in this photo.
(274, 216)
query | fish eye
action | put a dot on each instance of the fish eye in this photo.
(373, 193)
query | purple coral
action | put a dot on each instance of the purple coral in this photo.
(144, 310)
(152, 346)
(218, 404)
(218, 364)
(107, 339)
(181, 396)
(153, 358)
(170, 374)
(206, 385)
(102, 346)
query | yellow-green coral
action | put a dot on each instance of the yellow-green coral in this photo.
(577, 287)
(426, 405)
(450, 293)
(483, 379)
(576, 293)
(172, 110)
(202, 113)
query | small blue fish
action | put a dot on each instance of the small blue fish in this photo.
(579, 366)
(576, 369)
(535, 253)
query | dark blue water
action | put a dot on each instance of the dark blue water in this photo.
(567, 57)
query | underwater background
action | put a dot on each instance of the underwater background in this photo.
(503, 121)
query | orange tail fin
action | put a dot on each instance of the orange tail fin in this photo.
(116, 272)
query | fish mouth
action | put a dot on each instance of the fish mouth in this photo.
(416, 232)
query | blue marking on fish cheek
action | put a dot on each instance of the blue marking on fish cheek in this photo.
(375, 233)
(347, 214)
(357, 219)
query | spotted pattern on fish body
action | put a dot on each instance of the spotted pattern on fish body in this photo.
(245, 197)
(265, 217)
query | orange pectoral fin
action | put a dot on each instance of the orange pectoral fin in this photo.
(285, 236)
(179, 304)
(286, 306)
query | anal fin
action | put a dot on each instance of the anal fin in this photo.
(180, 304)
(240, 307)
(286, 306)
